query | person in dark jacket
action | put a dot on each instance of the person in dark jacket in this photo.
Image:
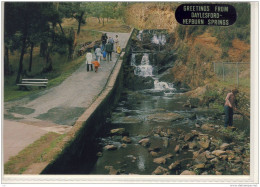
(104, 40)
(109, 49)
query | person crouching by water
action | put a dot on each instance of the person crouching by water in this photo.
(89, 60)
(96, 65)
(229, 107)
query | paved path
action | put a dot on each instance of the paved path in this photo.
(55, 109)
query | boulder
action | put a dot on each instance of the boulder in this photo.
(159, 160)
(204, 144)
(201, 158)
(218, 152)
(224, 146)
(160, 171)
(110, 147)
(192, 145)
(154, 154)
(112, 171)
(118, 131)
(207, 127)
(175, 165)
(188, 137)
(199, 166)
(144, 142)
(187, 172)
(164, 117)
(126, 139)
(177, 148)
(218, 173)
(205, 173)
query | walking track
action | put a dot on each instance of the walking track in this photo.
(55, 109)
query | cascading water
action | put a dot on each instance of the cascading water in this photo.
(145, 69)
(159, 39)
(139, 36)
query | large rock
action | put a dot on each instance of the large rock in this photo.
(159, 160)
(160, 171)
(187, 172)
(110, 147)
(164, 117)
(199, 166)
(175, 165)
(204, 144)
(126, 139)
(207, 127)
(177, 148)
(201, 158)
(192, 145)
(145, 142)
(112, 170)
(118, 131)
(218, 152)
(188, 137)
(224, 146)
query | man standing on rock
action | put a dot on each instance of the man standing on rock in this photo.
(229, 107)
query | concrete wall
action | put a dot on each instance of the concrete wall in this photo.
(80, 146)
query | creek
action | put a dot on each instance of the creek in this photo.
(151, 122)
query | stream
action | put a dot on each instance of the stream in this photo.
(150, 131)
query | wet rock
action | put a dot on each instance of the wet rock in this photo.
(204, 144)
(192, 145)
(165, 142)
(197, 125)
(99, 154)
(235, 170)
(201, 158)
(168, 156)
(177, 149)
(218, 152)
(223, 157)
(187, 172)
(224, 146)
(154, 154)
(155, 149)
(199, 166)
(175, 165)
(164, 117)
(205, 173)
(126, 139)
(159, 160)
(110, 147)
(123, 145)
(118, 131)
(188, 137)
(112, 170)
(160, 171)
(145, 142)
(218, 173)
(207, 127)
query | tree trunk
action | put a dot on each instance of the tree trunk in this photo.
(6, 61)
(98, 19)
(103, 21)
(21, 58)
(61, 29)
(31, 55)
(80, 21)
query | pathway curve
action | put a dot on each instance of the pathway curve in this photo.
(55, 109)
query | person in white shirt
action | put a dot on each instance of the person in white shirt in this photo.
(89, 60)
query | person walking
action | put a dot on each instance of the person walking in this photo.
(229, 107)
(104, 40)
(98, 53)
(116, 42)
(88, 60)
(96, 65)
(111, 40)
(109, 49)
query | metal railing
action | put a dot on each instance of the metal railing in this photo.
(231, 71)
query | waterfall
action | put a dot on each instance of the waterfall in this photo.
(145, 69)
(159, 40)
(140, 35)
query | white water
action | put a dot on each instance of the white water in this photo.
(139, 36)
(159, 39)
(145, 69)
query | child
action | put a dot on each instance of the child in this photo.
(118, 49)
(96, 65)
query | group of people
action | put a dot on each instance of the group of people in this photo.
(108, 45)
